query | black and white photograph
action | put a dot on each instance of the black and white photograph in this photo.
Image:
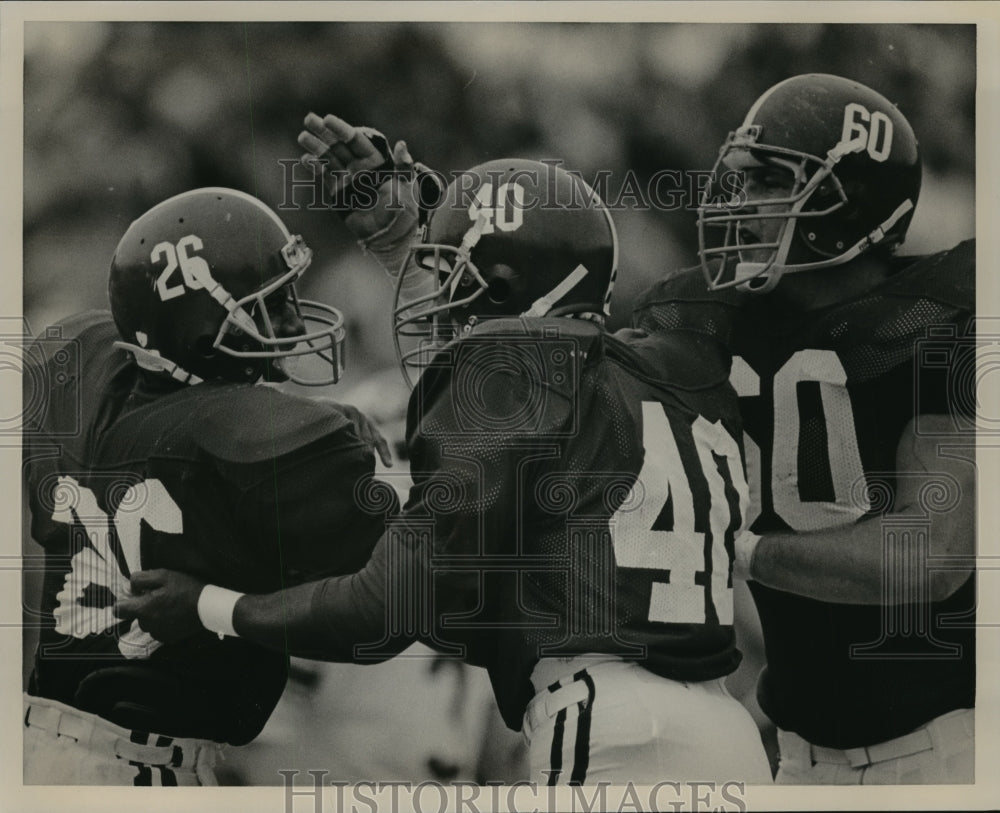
(500, 407)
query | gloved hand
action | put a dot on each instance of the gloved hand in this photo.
(373, 189)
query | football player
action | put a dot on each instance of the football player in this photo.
(856, 372)
(575, 501)
(147, 444)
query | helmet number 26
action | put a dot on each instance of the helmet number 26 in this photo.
(194, 269)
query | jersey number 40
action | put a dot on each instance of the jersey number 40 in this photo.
(681, 516)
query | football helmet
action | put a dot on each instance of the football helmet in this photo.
(508, 238)
(202, 286)
(853, 169)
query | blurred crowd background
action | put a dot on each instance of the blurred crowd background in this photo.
(118, 116)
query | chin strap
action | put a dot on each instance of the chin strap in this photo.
(544, 304)
(464, 257)
(149, 359)
(773, 274)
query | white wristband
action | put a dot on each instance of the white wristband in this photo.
(745, 547)
(215, 609)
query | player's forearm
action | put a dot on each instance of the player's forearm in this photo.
(855, 564)
(387, 231)
(842, 565)
(284, 621)
(325, 620)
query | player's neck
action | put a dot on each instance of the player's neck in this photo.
(812, 290)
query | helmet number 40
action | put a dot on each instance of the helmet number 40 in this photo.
(503, 211)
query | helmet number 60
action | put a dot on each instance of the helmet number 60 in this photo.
(873, 130)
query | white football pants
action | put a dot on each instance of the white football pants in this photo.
(66, 746)
(602, 719)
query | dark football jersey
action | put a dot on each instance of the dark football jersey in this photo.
(825, 396)
(243, 486)
(574, 492)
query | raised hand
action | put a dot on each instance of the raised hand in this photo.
(352, 161)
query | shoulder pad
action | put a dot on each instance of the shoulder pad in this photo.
(677, 359)
(501, 371)
(877, 331)
(682, 301)
(688, 285)
(584, 337)
(75, 376)
(538, 327)
(948, 277)
(93, 334)
(242, 423)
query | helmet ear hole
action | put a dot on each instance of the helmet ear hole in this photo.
(499, 290)
(501, 283)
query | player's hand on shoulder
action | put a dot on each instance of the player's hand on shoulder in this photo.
(165, 603)
(366, 429)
